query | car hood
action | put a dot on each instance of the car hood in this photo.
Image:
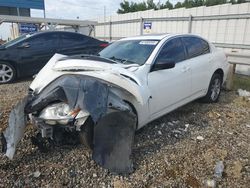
(119, 75)
(91, 65)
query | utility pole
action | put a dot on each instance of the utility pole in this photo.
(159, 4)
(44, 15)
(18, 25)
(104, 21)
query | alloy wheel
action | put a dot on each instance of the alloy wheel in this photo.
(215, 89)
(6, 73)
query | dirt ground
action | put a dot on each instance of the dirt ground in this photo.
(180, 149)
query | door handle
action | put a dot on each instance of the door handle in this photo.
(185, 69)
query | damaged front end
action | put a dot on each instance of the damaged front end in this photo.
(83, 105)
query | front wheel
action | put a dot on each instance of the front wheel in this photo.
(214, 89)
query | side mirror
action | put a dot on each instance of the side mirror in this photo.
(161, 65)
(24, 45)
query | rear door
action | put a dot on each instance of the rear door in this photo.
(74, 43)
(199, 58)
(36, 51)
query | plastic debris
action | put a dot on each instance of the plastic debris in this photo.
(200, 138)
(159, 132)
(170, 123)
(247, 125)
(186, 127)
(177, 131)
(15, 131)
(243, 93)
(210, 183)
(176, 122)
(37, 174)
(219, 168)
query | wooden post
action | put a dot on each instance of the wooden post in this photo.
(230, 77)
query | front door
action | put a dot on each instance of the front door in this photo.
(169, 87)
(36, 51)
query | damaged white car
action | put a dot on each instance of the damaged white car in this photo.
(103, 100)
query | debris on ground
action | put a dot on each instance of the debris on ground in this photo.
(210, 183)
(36, 174)
(243, 93)
(200, 138)
(219, 168)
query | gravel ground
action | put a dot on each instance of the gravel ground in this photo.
(178, 150)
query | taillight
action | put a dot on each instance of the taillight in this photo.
(104, 45)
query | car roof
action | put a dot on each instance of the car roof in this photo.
(149, 37)
(47, 31)
(159, 36)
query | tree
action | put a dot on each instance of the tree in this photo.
(151, 5)
(241, 1)
(167, 5)
(127, 6)
(178, 5)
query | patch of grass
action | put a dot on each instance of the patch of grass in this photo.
(241, 82)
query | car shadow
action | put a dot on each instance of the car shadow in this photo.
(26, 79)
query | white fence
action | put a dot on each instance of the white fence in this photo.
(226, 25)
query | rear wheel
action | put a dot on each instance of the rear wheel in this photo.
(214, 89)
(7, 73)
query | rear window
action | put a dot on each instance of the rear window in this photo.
(72, 39)
(195, 46)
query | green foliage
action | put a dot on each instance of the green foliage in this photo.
(151, 5)
(127, 6)
(167, 5)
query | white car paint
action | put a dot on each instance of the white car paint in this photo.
(154, 93)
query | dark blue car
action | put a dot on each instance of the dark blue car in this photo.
(26, 55)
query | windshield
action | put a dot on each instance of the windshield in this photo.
(15, 41)
(130, 51)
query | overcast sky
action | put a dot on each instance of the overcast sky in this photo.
(84, 9)
(71, 9)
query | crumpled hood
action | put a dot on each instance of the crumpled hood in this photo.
(120, 75)
(91, 65)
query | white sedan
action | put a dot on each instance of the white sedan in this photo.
(104, 99)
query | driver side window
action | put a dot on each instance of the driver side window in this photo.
(172, 51)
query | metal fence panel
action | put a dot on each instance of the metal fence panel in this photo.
(227, 25)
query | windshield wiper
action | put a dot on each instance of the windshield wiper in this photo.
(121, 60)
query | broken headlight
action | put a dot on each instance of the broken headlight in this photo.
(59, 113)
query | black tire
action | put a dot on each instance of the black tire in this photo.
(7, 73)
(214, 89)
